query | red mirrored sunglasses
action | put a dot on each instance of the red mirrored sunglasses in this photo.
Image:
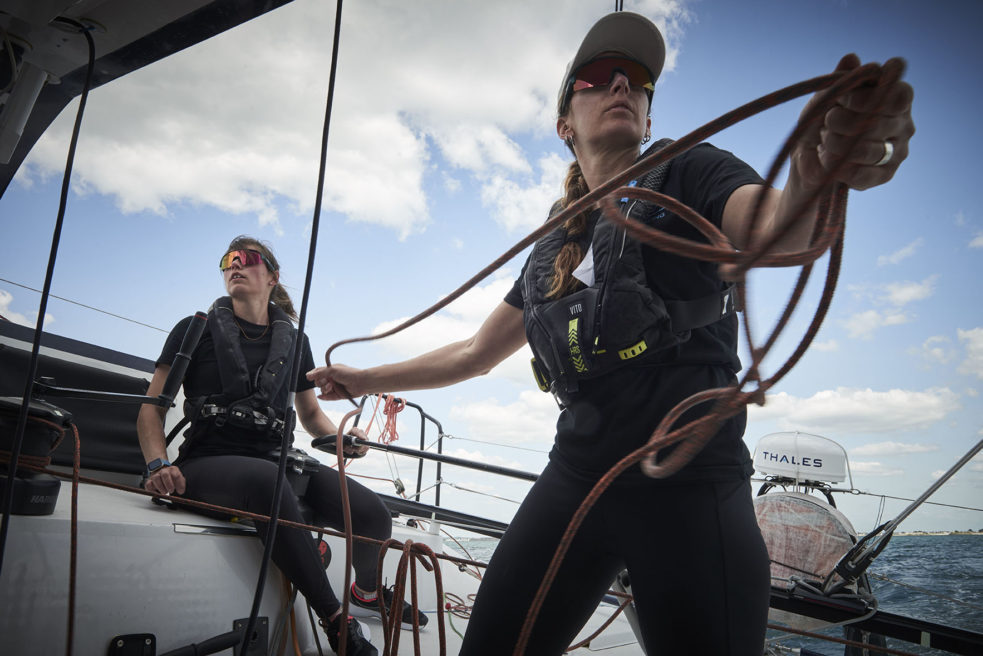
(600, 72)
(246, 258)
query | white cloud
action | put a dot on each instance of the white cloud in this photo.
(973, 364)
(478, 456)
(521, 206)
(892, 449)
(234, 123)
(451, 184)
(851, 411)
(899, 294)
(864, 324)
(889, 301)
(529, 419)
(902, 253)
(977, 241)
(937, 349)
(827, 346)
(874, 469)
(6, 299)
(460, 320)
(480, 148)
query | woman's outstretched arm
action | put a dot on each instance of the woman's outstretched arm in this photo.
(501, 335)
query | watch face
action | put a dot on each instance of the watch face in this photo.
(156, 464)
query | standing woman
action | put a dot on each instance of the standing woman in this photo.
(697, 564)
(243, 362)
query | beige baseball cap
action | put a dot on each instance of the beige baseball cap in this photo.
(624, 32)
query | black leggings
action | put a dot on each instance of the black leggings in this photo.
(698, 567)
(247, 483)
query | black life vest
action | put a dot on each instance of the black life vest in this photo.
(250, 400)
(618, 320)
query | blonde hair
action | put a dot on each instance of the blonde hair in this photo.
(279, 295)
(570, 255)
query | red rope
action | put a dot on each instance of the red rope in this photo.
(392, 408)
(413, 552)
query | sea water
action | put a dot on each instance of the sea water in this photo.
(930, 577)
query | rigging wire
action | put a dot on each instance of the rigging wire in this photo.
(927, 503)
(298, 341)
(853, 491)
(880, 511)
(88, 307)
(856, 561)
(499, 444)
(484, 494)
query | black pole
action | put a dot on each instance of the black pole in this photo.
(351, 440)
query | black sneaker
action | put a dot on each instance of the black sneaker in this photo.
(356, 643)
(360, 607)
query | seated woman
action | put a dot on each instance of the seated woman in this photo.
(243, 363)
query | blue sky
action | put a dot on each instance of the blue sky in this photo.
(443, 154)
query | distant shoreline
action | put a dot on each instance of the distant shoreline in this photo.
(939, 533)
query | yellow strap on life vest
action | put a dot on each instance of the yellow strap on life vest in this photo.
(541, 379)
(633, 351)
(573, 338)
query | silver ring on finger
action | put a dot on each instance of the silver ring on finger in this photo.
(888, 154)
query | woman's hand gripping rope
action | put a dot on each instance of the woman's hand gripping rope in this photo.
(859, 105)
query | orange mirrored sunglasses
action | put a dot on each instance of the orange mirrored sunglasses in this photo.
(246, 258)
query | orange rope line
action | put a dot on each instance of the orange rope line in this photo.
(392, 408)
(378, 399)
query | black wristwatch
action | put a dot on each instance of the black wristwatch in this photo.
(157, 463)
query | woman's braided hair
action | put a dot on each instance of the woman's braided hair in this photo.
(571, 254)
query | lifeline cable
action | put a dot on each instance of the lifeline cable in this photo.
(87, 307)
(830, 201)
(842, 641)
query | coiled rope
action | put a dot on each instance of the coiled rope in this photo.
(392, 407)
(830, 199)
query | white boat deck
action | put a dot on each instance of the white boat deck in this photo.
(184, 578)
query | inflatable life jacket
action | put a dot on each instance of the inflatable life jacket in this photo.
(251, 400)
(616, 321)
